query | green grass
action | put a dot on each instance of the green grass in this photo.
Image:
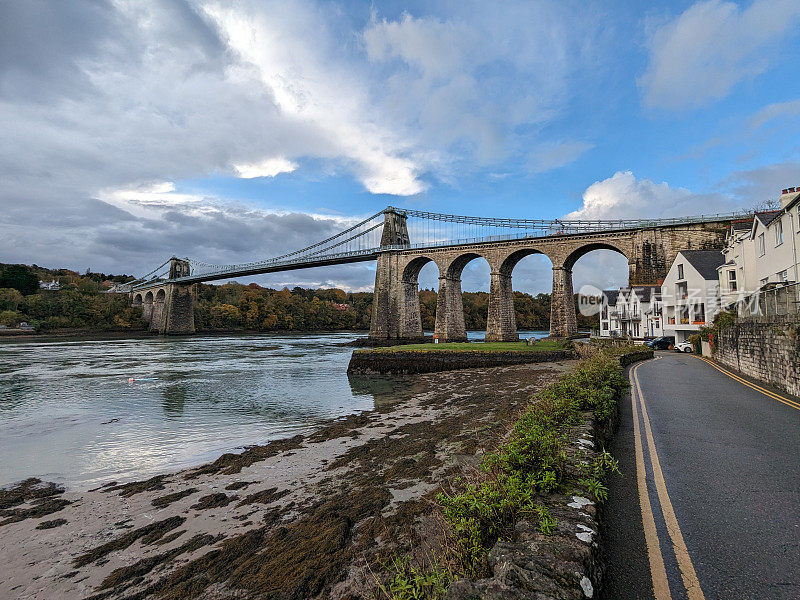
(476, 347)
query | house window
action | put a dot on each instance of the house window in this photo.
(681, 291)
(680, 271)
(783, 276)
(765, 281)
(732, 281)
(778, 232)
(761, 247)
(700, 314)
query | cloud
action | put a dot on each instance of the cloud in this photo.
(776, 111)
(754, 186)
(103, 104)
(270, 167)
(698, 57)
(548, 157)
(623, 196)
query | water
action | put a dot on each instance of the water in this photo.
(69, 414)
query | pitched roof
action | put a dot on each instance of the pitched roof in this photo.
(742, 224)
(611, 296)
(768, 216)
(645, 292)
(705, 261)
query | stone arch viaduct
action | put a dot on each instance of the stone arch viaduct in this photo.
(168, 304)
(396, 309)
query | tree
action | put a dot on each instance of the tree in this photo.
(20, 278)
(10, 318)
(10, 298)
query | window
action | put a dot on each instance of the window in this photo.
(765, 281)
(761, 248)
(783, 276)
(732, 281)
(681, 291)
(680, 271)
(700, 314)
(778, 232)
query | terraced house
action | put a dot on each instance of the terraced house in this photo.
(631, 312)
(690, 292)
(760, 273)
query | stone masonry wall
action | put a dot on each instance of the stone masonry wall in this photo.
(765, 348)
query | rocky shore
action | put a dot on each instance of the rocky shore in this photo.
(316, 516)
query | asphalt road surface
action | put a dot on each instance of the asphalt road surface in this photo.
(708, 503)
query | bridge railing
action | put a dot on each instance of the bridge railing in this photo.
(549, 226)
(360, 244)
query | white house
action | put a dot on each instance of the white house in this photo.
(631, 312)
(690, 292)
(761, 256)
(49, 285)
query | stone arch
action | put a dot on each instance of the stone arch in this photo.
(450, 325)
(413, 267)
(563, 319)
(576, 254)
(509, 262)
(147, 306)
(157, 321)
(137, 300)
(457, 265)
(501, 324)
(410, 315)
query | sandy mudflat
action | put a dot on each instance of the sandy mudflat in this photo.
(307, 517)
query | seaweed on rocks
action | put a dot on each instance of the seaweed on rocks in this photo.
(30, 489)
(214, 501)
(264, 497)
(51, 524)
(230, 463)
(166, 500)
(41, 507)
(342, 428)
(126, 490)
(148, 534)
(124, 577)
(238, 485)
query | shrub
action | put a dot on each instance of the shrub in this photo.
(10, 318)
(532, 461)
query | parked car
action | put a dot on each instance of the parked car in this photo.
(665, 342)
(684, 347)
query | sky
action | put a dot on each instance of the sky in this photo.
(234, 131)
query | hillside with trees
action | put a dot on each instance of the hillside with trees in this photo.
(81, 303)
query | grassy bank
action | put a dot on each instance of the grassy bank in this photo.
(513, 483)
(541, 345)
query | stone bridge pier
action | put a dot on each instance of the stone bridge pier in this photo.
(396, 310)
(169, 307)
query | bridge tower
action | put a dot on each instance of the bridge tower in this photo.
(395, 306)
(169, 307)
(179, 268)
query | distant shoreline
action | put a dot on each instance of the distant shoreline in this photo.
(89, 335)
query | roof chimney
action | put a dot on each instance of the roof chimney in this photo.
(788, 195)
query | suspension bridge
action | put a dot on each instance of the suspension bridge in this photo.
(402, 241)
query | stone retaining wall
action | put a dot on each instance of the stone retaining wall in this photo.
(765, 348)
(398, 362)
(566, 564)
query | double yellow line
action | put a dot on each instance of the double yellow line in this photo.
(758, 388)
(658, 572)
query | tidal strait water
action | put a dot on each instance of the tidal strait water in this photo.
(69, 414)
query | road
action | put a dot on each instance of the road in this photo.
(708, 503)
